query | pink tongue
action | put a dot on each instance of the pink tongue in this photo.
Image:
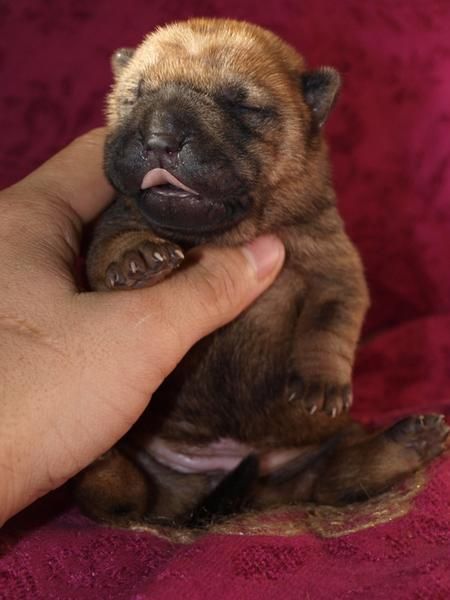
(160, 177)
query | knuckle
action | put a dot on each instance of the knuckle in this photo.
(221, 289)
(173, 332)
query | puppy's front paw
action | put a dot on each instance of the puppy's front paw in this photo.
(143, 265)
(320, 396)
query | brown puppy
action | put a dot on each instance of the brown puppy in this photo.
(215, 137)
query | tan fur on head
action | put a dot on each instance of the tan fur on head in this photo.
(208, 53)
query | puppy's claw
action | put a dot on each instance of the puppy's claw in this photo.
(113, 277)
(348, 401)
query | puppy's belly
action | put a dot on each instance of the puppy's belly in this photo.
(217, 457)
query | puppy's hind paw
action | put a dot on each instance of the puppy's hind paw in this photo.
(424, 434)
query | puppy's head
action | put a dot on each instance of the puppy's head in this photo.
(215, 129)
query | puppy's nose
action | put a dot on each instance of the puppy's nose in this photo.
(163, 143)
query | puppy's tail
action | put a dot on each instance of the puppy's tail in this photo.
(228, 498)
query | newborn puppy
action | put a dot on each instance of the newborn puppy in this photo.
(215, 137)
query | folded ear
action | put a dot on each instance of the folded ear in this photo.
(320, 88)
(119, 59)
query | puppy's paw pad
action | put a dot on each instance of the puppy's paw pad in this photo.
(426, 434)
(143, 266)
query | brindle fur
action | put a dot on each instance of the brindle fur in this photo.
(280, 374)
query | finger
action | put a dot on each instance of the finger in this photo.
(149, 331)
(220, 284)
(75, 177)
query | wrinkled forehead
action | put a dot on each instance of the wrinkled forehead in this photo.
(209, 60)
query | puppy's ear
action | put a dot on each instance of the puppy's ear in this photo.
(119, 59)
(320, 90)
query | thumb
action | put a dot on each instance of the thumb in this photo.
(154, 328)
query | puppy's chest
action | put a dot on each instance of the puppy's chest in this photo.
(234, 377)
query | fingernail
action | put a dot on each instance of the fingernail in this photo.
(264, 254)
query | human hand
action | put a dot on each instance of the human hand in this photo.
(78, 369)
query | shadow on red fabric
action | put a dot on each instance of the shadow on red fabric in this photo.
(390, 147)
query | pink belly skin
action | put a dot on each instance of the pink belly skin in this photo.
(221, 456)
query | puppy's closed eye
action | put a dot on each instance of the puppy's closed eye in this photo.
(244, 105)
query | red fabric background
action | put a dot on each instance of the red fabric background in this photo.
(390, 149)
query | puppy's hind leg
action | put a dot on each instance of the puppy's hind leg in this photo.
(114, 490)
(360, 470)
